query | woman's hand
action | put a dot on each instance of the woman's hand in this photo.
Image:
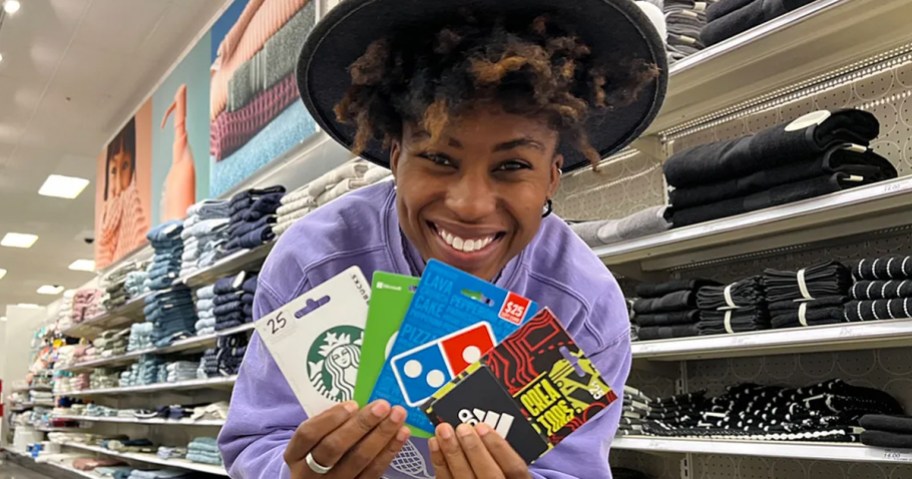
(355, 443)
(479, 452)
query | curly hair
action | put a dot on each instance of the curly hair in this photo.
(527, 67)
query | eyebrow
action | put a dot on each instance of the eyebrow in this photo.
(524, 142)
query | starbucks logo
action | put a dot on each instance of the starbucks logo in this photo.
(332, 362)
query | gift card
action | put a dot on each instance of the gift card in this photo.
(316, 340)
(453, 320)
(541, 371)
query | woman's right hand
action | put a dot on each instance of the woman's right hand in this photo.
(356, 443)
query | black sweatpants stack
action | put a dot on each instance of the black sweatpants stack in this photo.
(883, 289)
(668, 310)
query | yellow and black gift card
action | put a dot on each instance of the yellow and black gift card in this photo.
(534, 389)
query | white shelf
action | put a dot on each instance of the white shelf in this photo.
(61, 467)
(803, 43)
(193, 384)
(234, 263)
(838, 215)
(195, 343)
(153, 459)
(834, 337)
(799, 450)
(157, 422)
(129, 313)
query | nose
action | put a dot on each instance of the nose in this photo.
(472, 197)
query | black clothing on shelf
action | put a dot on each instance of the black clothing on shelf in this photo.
(667, 319)
(657, 290)
(748, 16)
(883, 268)
(827, 279)
(750, 318)
(743, 293)
(722, 8)
(886, 439)
(667, 332)
(892, 289)
(677, 301)
(879, 309)
(792, 314)
(880, 422)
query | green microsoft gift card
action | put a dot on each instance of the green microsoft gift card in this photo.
(391, 295)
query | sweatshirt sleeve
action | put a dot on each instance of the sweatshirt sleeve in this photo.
(584, 454)
(263, 412)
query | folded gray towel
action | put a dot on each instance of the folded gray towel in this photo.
(645, 222)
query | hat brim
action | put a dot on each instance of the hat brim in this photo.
(344, 34)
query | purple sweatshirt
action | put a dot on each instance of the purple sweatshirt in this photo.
(557, 270)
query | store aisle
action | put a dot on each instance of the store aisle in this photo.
(9, 470)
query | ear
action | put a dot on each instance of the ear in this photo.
(395, 152)
(554, 182)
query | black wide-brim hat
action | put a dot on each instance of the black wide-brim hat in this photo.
(606, 26)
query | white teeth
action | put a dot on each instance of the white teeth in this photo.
(464, 245)
(470, 246)
(458, 243)
(449, 239)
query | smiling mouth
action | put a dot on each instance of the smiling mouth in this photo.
(466, 245)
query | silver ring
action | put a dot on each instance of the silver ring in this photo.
(316, 466)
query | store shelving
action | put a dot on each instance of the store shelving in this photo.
(234, 263)
(835, 337)
(838, 215)
(129, 313)
(24, 459)
(182, 385)
(790, 449)
(779, 54)
(155, 422)
(153, 459)
(194, 343)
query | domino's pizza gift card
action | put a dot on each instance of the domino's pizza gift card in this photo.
(534, 389)
(316, 340)
(452, 321)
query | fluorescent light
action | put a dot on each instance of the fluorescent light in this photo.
(50, 289)
(2, 273)
(83, 265)
(11, 6)
(2, 319)
(18, 240)
(60, 186)
(1, 57)
(28, 305)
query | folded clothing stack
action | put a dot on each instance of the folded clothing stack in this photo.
(142, 373)
(64, 315)
(166, 262)
(735, 308)
(86, 304)
(208, 366)
(808, 297)
(642, 223)
(161, 474)
(828, 411)
(204, 450)
(112, 343)
(230, 353)
(684, 20)
(96, 410)
(668, 310)
(252, 218)
(205, 310)
(205, 230)
(215, 411)
(141, 335)
(345, 178)
(135, 282)
(233, 301)
(115, 284)
(167, 452)
(887, 431)
(635, 412)
(727, 18)
(101, 378)
(172, 313)
(820, 153)
(883, 289)
(178, 371)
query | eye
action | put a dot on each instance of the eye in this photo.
(514, 165)
(437, 159)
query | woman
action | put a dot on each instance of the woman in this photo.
(123, 220)
(476, 117)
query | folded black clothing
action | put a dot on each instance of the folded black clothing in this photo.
(677, 301)
(886, 439)
(883, 268)
(877, 309)
(685, 398)
(769, 148)
(818, 303)
(892, 289)
(668, 332)
(822, 280)
(881, 422)
(746, 292)
(778, 195)
(839, 160)
(733, 321)
(812, 317)
(667, 319)
(226, 298)
(747, 17)
(657, 290)
(724, 7)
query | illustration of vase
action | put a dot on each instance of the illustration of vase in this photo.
(179, 191)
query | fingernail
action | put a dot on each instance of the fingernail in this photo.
(432, 444)
(483, 429)
(398, 414)
(350, 406)
(380, 408)
(464, 430)
(445, 431)
(403, 434)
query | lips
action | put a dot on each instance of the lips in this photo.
(465, 244)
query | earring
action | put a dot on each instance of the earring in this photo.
(547, 209)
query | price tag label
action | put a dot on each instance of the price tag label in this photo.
(846, 332)
(897, 455)
(316, 340)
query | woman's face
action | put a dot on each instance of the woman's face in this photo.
(122, 170)
(342, 357)
(473, 198)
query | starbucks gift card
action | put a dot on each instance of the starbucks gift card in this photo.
(534, 389)
(454, 318)
(316, 340)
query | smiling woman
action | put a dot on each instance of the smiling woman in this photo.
(477, 116)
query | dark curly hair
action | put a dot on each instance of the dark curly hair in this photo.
(528, 67)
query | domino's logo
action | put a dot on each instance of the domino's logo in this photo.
(421, 371)
(499, 422)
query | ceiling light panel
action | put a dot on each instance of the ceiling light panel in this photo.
(50, 289)
(83, 265)
(60, 186)
(18, 240)
(2, 273)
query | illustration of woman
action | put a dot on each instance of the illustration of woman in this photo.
(342, 366)
(124, 222)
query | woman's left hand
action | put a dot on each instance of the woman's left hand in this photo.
(474, 452)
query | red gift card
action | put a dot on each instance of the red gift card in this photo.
(514, 308)
(467, 346)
